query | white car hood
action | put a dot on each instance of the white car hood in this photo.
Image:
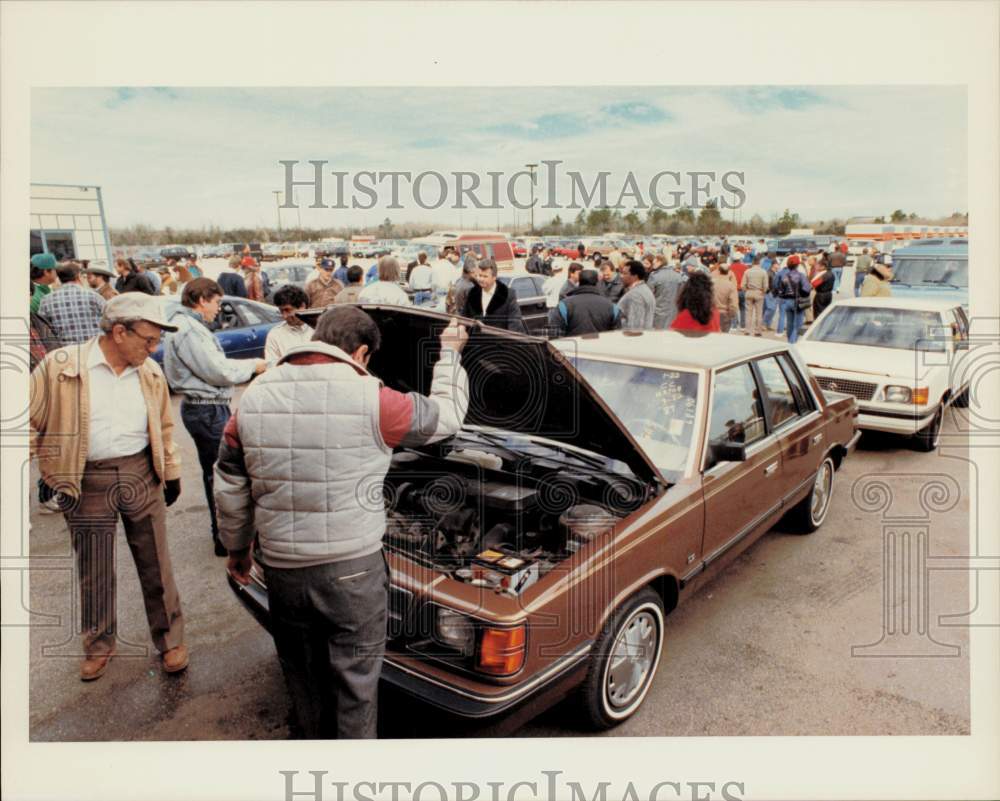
(863, 359)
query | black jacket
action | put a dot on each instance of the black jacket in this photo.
(539, 266)
(586, 310)
(503, 311)
(613, 289)
(135, 282)
(824, 293)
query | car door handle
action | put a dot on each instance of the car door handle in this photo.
(817, 438)
(769, 470)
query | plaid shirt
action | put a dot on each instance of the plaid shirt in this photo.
(73, 312)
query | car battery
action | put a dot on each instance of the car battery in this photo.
(504, 570)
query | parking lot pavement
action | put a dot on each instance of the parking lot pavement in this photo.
(765, 649)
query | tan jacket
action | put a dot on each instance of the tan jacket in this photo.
(349, 294)
(60, 417)
(874, 287)
(755, 281)
(727, 298)
(107, 291)
(322, 294)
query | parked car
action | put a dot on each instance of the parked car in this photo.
(241, 326)
(933, 268)
(279, 275)
(595, 484)
(899, 357)
(484, 244)
(793, 244)
(530, 299)
(177, 252)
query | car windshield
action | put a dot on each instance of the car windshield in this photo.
(656, 406)
(931, 272)
(901, 329)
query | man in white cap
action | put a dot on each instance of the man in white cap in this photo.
(102, 431)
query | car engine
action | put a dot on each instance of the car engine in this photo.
(489, 526)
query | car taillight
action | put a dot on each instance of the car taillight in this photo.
(501, 651)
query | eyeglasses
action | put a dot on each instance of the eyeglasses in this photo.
(151, 342)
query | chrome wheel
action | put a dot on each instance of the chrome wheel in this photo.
(821, 492)
(632, 657)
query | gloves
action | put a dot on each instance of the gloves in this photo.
(172, 490)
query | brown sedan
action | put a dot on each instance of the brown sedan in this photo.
(596, 483)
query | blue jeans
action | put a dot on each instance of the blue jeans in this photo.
(837, 275)
(770, 308)
(792, 316)
(743, 309)
(205, 423)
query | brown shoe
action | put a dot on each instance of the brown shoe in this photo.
(176, 659)
(93, 667)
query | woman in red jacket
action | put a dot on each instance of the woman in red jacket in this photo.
(696, 305)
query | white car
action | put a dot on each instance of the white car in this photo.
(899, 357)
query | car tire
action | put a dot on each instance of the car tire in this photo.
(618, 680)
(809, 513)
(928, 438)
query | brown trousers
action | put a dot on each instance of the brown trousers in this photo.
(755, 311)
(127, 487)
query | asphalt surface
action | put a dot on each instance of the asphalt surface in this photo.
(764, 649)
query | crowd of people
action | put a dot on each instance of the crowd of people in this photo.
(102, 424)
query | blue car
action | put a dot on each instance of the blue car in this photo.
(935, 269)
(241, 326)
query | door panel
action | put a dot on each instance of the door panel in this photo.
(795, 422)
(741, 498)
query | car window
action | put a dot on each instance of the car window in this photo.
(795, 380)
(879, 326)
(781, 403)
(524, 287)
(227, 318)
(250, 315)
(656, 406)
(737, 414)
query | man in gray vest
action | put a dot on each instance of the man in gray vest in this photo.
(302, 479)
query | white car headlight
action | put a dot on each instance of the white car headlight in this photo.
(456, 631)
(898, 394)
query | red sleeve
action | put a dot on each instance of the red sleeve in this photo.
(231, 433)
(395, 415)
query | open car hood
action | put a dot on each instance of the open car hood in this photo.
(517, 383)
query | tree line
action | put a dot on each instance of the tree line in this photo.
(682, 222)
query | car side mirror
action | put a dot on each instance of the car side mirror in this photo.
(728, 452)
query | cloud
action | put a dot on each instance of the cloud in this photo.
(821, 151)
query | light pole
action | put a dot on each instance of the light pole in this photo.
(532, 167)
(277, 206)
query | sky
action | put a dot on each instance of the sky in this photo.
(200, 157)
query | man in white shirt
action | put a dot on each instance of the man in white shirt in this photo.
(553, 286)
(421, 279)
(102, 431)
(292, 331)
(445, 272)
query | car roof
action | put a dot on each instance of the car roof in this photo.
(669, 348)
(914, 304)
(952, 248)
